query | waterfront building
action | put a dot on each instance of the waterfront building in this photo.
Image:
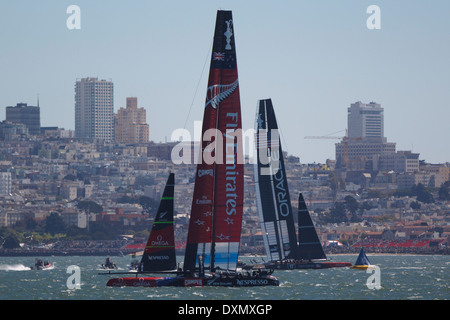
(94, 109)
(130, 124)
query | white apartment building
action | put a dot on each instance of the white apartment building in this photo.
(5, 183)
(94, 109)
(365, 120)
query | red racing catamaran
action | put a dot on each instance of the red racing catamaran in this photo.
(214, 233)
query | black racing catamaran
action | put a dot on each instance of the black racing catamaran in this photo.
(283, 249)
(159, 254)
(214, 232)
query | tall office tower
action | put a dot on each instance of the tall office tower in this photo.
(130, 124)
(28, 115)
(94, 109)
(365, 120)
(365, 138)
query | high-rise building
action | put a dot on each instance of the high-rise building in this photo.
(94, 109)
(130, 124)
(28, 115)
(365, 120)
(365, 138)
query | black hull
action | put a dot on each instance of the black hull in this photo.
(234, 281)
(306, 265)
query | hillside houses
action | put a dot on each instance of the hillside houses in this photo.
(53, 174)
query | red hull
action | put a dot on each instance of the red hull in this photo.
(335, 264)
(134, 282)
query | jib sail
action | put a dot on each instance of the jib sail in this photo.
(159, 253)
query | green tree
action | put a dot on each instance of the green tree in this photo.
(444, 191)
(415, 205)
(76, 233)
(102, 231)
(334, 183)
(89, 206)
(11, 242)
(54, 224)
(422, 193)
(351, 204)
(337, 214)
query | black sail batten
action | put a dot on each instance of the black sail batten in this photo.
(273, 199)
(310, 247)
(159, 253)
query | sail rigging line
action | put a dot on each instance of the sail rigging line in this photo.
(284, 140)
(198, 83)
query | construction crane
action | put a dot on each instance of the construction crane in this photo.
(328, 136)
(345, 139)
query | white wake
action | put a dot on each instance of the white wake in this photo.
(13, 267)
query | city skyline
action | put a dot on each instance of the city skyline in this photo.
(313, 59)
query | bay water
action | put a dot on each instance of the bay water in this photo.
(399, 277)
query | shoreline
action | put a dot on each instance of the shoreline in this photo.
(391, 254)
(118, 253)
(123, 248)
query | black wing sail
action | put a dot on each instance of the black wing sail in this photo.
(274, 204)
(159, 253)
(310, 247)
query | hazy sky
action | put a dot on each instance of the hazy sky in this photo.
(313, 58)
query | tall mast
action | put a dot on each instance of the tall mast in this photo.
(217, 204)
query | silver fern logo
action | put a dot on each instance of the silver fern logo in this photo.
(218, 92)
